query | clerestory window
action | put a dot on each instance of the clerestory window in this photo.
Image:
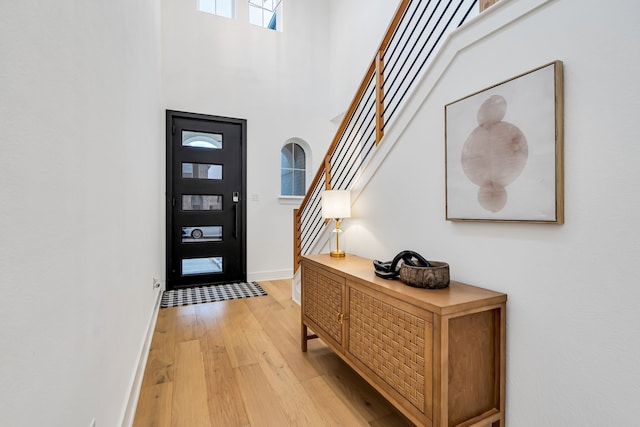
(266, 13)
(224, 8)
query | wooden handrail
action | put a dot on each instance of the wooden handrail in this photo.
(402, 7)
(338, 135)
(374, 71)
(362, 128)
(391, 29)
(379, 96)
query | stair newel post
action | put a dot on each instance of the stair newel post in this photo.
(327, 172)
(297, 244)
(327, 178)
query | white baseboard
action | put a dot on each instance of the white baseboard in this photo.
(257, 276)
(136, 382)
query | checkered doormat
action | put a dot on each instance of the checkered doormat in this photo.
(212, 293)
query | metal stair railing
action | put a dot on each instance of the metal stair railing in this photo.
(415, 34)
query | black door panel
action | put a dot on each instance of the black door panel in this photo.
(206, 209)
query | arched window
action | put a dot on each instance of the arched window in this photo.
(293, 170)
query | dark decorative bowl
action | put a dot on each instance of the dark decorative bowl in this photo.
(434, 277)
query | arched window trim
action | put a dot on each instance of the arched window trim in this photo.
(296, 200)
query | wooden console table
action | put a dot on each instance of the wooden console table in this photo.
(437, 355)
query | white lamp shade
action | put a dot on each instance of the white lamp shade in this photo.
(336, 204)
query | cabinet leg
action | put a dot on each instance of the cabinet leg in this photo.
(303, 338)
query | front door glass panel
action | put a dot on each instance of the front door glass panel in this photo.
(207, 265)
(199, 233)
(201, 202)
(201, 171)
(209, 141)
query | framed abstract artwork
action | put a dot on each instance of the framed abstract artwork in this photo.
(504, 151)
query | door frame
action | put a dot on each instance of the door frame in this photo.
(170, 115)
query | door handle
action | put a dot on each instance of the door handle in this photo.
(235, 221)
(236, 199)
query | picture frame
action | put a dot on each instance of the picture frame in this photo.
(504, 151)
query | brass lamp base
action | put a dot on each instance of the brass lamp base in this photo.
(334, 249)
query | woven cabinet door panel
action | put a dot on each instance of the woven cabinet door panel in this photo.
(393, 344)
(323, 301)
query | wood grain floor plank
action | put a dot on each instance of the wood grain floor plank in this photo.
(293, 398)
(164, 335)
(189, 403)
(335, 410)
(226, 407)
(274, 317)
(238, 311)
(159, 367)
(277, 291)
(276, 323)
(161, 357)
(262, 404)
(154, 406)
(351, 387)
(185, 318)
(207, 318)
(239, 364)
(235, 341)
(394, 419)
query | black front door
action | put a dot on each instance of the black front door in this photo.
(206, 207)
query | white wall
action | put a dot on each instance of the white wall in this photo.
(573, 323)
(278, 81)
(356, 29)
(286, 84)
(81, 183)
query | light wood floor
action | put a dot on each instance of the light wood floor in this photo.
(239, 363)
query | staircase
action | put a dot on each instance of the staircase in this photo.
(417, 31)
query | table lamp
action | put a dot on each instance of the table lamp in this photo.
(336, 205)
